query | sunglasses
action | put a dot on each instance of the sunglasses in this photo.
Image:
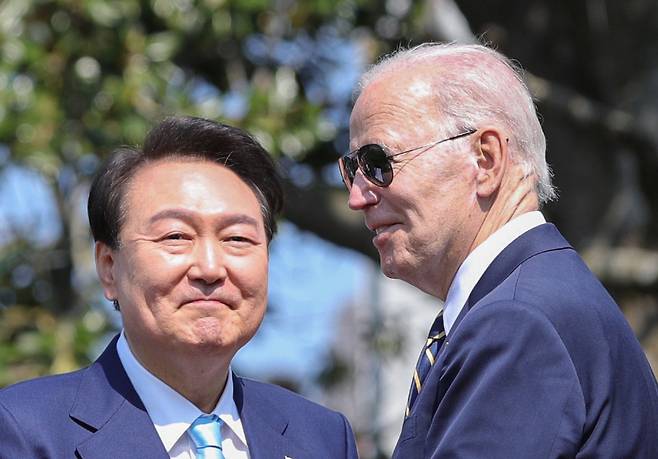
(376, 164)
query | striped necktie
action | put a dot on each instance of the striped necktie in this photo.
(206, 434)
(426, 360)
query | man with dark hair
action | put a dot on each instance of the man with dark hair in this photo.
(182, 228)
(528, 357)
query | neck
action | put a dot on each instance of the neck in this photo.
(516, 196)
(200, 376)
(492, 222)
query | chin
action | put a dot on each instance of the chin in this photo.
(208, 332)
(390, 268)
(215, 347)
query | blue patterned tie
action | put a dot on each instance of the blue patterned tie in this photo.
(207, 437)
(427, 357)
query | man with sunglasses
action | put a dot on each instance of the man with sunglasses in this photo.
(529, 356)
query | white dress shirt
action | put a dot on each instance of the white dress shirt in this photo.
(477, 262)
(172, 414)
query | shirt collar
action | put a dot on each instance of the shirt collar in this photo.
(477, 262)
(171, 413)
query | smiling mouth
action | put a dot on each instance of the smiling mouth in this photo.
(207, 303)
(383, 228)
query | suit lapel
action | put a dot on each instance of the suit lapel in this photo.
(540, 239)
(107, 405)
(265, 427)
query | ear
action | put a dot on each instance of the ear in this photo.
(492, 157)
(105, 269)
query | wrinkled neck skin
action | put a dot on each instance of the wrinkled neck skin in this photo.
(516, 196)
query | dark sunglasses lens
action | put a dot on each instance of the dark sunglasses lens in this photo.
(375, 165)
(348, 168)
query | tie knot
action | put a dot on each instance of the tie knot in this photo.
(437, 327)
(205, 432)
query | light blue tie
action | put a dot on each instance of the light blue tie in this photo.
(207, 437)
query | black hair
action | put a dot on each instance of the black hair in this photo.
(189, 138)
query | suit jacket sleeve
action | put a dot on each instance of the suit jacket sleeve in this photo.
(508, 388)
(12, 438)
(350, 444)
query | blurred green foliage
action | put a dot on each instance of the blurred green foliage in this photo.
(42, 343)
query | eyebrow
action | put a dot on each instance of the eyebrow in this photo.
(189, 216)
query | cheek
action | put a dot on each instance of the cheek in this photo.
(151, 276)
(250, 276)
(251, 281)
(447, 198)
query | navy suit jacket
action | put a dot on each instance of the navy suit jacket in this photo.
(96, 413)
(540, 364)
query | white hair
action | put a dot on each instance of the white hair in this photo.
(475, 85)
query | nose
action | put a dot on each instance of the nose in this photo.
(362, 193)
(208, 264)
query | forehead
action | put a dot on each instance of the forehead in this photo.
(199, 186)
(396, 105)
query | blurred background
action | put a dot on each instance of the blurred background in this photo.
(81, 77)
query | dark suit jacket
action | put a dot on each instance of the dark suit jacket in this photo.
(540, 364)
(96, 413)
